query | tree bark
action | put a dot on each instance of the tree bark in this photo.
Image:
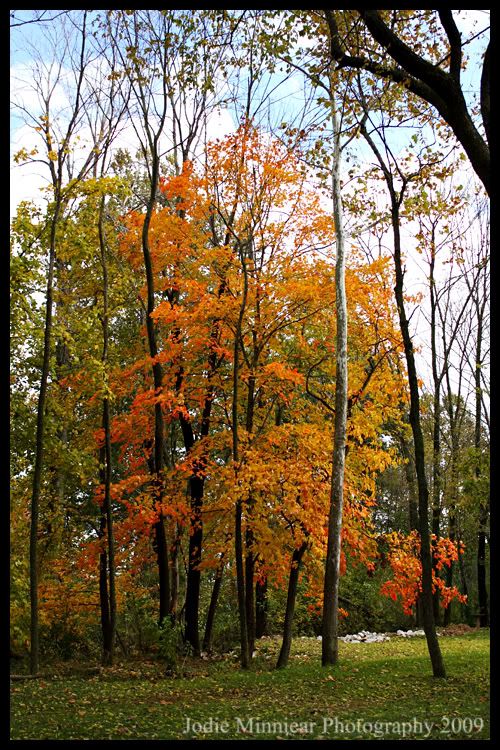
(197, 488)
(436, 434)
(249, 535)
(56, 497)
(453, 418)
(329, 644)
(110, 629)
(482, 591)
(238, 537)
(39, 448)
(193, 581)
(175, 581)
(103, 591)
(423, 493)
(214, 599)
(250, 590)
(290, 605)
(429, 82)
(410, 475)
(418, 439)
(160, 543)
(261, 606)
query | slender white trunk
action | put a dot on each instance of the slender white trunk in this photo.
(332, 565)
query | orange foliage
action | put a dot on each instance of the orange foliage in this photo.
(254, 192)
(404, 559)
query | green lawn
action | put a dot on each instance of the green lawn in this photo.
(378, 690)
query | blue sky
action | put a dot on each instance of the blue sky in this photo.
(289, 100)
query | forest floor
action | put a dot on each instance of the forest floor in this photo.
(377, 691)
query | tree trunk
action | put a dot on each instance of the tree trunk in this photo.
(249, 536)
(423, 493)
(240, 587)
(175, 582)
(290, 605)
(56, 496)
(410, 475)
(39, 448)
(418, 439)
(197, 487)
(238, 537)
(249, 591)
(482, 591)
(261, 608)
(436, 434)
(466, 610)
(106, 601)
(453, 416)
(214, 599)
(193, 573)
(160, 543)
(332, 564)
(103, 593)
(109, 635)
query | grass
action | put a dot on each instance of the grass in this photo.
(377, 691)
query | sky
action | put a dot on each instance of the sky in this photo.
(26, 180)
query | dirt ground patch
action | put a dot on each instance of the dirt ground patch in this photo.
(458, 629)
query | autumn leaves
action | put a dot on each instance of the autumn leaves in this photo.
(241, 296)
(242, 261)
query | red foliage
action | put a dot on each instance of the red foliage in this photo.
(404, 558)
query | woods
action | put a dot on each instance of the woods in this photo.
(249, 332)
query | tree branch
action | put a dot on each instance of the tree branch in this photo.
(455, 39)
(395, 74)
(435, 78)
(485, 92)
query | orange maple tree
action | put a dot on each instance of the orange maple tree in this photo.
(403, 557)
(252, 190)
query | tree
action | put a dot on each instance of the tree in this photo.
(297, 556)
(329, 645)
(428, 79)
(199, 420)
(436, 208)
(480, 300)
(183, 51)
(396, 198)
(249, 185)
(472, 355)
(332, 563)
(57, 136)
(108, 556)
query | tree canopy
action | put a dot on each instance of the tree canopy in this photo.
(249, 324)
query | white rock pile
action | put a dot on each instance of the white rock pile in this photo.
(364, 636)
